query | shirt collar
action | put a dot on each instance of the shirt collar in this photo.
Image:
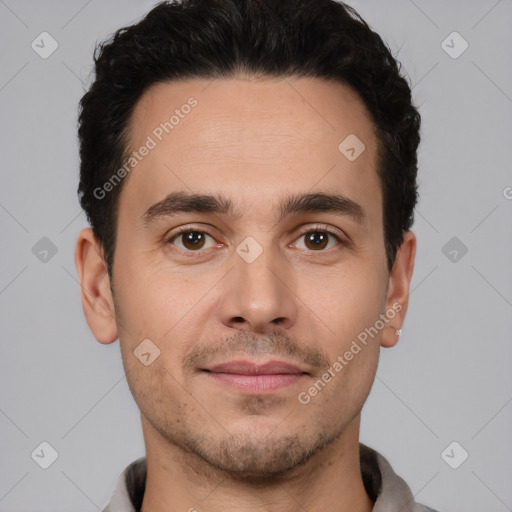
(383, 485)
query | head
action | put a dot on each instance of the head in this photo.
(248, 168)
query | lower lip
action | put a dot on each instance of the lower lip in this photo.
(257, 384)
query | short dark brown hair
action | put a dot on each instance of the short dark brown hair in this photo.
(209, 39)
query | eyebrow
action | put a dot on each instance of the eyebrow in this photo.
(181, 202)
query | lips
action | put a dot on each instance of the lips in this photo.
(249, 368)
(252, 378)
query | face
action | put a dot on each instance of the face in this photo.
(250, 252)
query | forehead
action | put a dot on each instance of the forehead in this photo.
(252, 140)
(234, 109)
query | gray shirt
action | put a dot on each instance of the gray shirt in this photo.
(389, 492)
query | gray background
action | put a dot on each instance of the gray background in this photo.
(449, 378)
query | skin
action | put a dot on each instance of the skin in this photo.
(211, 447)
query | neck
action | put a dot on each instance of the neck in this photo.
(179, 481)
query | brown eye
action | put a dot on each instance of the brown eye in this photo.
(316, 240)
(192, 240)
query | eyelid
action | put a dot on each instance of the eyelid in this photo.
(204, 228)
(341, 238)
(336, 232)
(169, 237)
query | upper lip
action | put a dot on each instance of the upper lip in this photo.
(251, 368)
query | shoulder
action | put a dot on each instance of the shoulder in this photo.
(393, 493)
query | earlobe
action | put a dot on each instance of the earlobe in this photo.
(97, 301)
(397, 299)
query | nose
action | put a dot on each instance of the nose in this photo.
(258, 296)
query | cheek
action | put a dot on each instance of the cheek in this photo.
(151, 301)
(346, 300)
(163, 305)
(348, 303)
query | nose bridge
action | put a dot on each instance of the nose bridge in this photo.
(259, 272)
(259, 293)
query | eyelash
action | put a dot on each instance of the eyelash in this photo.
(189, 229)
(322, 229)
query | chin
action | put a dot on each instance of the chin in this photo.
(259, 459)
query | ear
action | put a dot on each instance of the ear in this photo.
(97, 301)
(398, 288)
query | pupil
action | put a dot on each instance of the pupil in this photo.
(194, 240)
(317, 239)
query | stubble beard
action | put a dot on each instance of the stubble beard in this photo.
(244, 457)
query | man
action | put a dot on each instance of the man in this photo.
(248, 168)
